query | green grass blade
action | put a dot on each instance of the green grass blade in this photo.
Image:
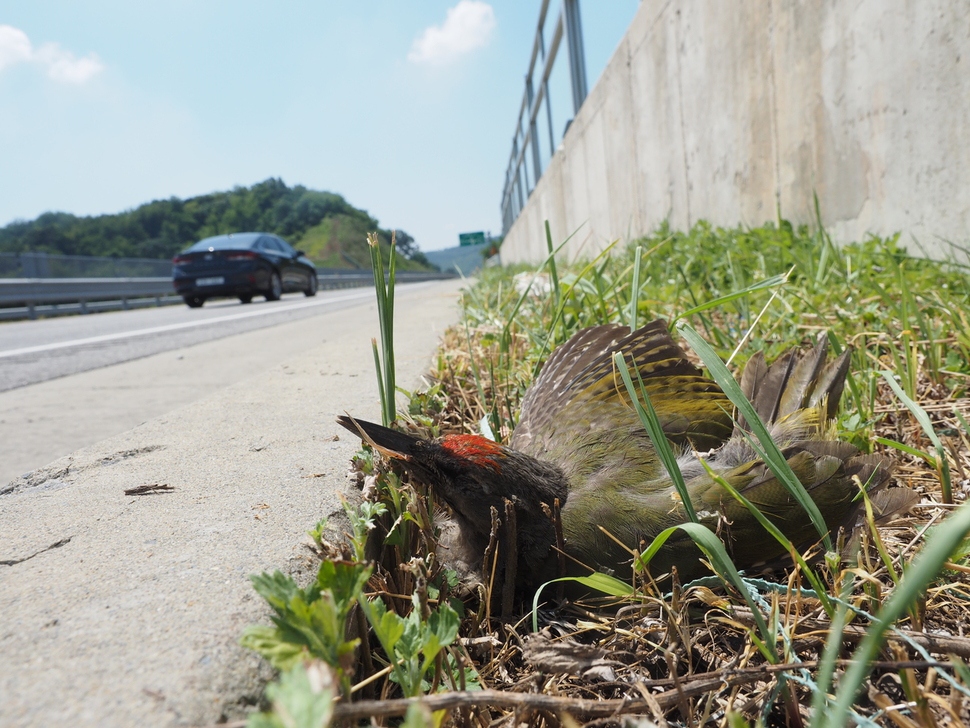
(385, 314)
(390, 367)
(902, 447)
(553, 272)
(940, 544)
(942, 464)
(570, 288)
(712, 547)
(651, 423)
(510, 319)
(766, 284)
(635, 288)
(833, 647)
(779, 537)
(380, 380)
(770, 452)
(597, 581)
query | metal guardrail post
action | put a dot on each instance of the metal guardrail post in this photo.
(569, 27)
(35, 265)
(577, 58)
(545, 90)
(533, 133)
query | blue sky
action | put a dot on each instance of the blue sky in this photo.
(406, 109)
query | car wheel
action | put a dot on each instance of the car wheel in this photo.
(275, 287)
(194, 301)
(246, 298)
(311, 289)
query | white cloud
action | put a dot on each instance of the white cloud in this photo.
(62, 65)
(467, 27)
(59, 63)
(14, 46)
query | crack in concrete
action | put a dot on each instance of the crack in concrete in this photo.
(57, 545)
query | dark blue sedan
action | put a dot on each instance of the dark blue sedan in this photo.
(242, 265)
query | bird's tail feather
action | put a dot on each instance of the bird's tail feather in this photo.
(798, 397)
(794, 382)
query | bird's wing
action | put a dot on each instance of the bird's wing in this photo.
(581, 376)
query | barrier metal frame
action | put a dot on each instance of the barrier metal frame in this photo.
(518, 185)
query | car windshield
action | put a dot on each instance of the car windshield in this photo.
(240, 241)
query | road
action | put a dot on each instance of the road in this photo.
(122, 610)
(35, 351)
(66, 383)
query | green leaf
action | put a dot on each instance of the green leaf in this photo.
(444, 623)
(316, 533)
(765, 284)
(635, 289)
(270, 643)
(277, 588)
(903, 447)
(388, 626)
(345, 580)
(389, 629)
(302, 701)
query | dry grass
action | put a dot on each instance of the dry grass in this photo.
(690, 654)
(690, 650)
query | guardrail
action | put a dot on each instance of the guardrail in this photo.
(518, 184)
(33, 264)
(30, 298)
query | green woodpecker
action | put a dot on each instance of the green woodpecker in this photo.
(580, 441)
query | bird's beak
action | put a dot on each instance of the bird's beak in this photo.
(393, 454)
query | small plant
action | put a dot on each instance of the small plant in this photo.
(386, 372)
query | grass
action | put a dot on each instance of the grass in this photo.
(874, 641)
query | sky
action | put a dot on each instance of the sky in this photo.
(405, 109)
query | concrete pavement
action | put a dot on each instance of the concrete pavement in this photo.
(46, 420)
(124, 610)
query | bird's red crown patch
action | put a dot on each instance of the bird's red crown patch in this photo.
(480, 450)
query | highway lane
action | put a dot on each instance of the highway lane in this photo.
(99, 375)
(36, 351)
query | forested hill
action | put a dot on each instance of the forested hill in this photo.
(331, 230)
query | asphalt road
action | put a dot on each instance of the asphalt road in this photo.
(35, 351)
(67, 383)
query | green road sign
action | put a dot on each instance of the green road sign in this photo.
(471, 239)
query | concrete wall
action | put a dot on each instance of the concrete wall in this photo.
(731, 111)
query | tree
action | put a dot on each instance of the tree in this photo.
(161, 228)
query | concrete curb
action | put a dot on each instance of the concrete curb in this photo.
(124, 610)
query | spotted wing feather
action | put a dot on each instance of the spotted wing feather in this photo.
(580, 376)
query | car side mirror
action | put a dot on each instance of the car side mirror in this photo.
(299, 253)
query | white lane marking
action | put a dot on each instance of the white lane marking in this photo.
(367, 293)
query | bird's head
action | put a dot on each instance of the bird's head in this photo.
(473, 474)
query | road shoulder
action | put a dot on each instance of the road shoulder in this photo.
(127, 609)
